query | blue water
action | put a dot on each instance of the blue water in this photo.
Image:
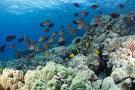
(22, 17)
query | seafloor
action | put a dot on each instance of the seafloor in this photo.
(103, 59)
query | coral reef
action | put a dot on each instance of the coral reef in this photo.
(103, 59)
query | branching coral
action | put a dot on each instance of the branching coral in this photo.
(131, 46)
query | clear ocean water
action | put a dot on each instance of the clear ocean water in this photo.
(22, 17)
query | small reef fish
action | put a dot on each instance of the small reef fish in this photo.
(121, 6)
(51, 25)
(114, 15)
(46, 30)
(10, 38)
(53, 34)
(73, 31)
(21, 39)
(2, 48)
(71, 55)
(85, 13)
(80, 24)
(43, 38)
(46, 46)
(94, 6)
(51, 40)
(18, 55)
(76, 5)
(75, 22)
(87, 28)
(45, 23)
(31, 47)
(61, 41)
(76, 14)
(12, 46)
(61, 33)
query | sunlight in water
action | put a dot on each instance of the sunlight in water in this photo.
(24, 6)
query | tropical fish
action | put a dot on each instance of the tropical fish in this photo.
(53, 34)
(31, 47)
(73, 31)
(61, 41)
(18, 55)
(21, 39)
(87, 28)
(10, 38)
(71, 55)
(61, 33)
(121, 6)
(94, 6)
(76, 14)
(95, 25)
(46, 30)
(75, 22)
(51, 25)
(12, 46)
(98, 52)
(2, 47)
(43, 38)
(76, 5)
(45, 46)
(85, 13)
(51, 40)
(114, 15)
(69, 26)
(80, 24)
(45, 23)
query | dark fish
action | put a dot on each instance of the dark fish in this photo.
(53, 34)
(87, 28)
(42, 25)
(95, 25)
(51, 25)
(45, 23)
(114, 15)
(85, 13)
(21, 39)
(10, 38)
(121, 6)
(94, 6)
(109, 27)
(2, 48)
(75, 22)
(76, 14)
(61, 41)
(12, 46)
(18, 55)
(46, 30)
(76, 5)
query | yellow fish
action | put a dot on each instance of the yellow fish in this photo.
(97, 52)
(72, 55)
